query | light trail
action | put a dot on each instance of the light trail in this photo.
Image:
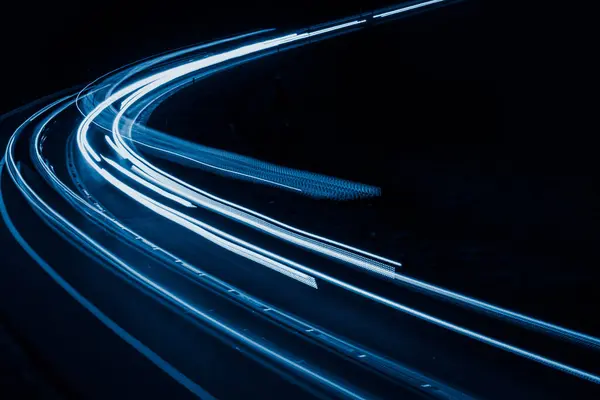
(164, 185)
(408, 8)
(227, 241)
(342, 254)
(245, 216)
(113, 326)
(252, 218)
(147, 184)
(57, 221)
(229, 171)
(413, 378)
(139, 90)
(431, 289)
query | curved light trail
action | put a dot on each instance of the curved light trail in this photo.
(108, 148)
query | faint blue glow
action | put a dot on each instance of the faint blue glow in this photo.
(252, 177)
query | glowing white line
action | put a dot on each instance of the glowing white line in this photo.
(141, 90)
(38, 137)
(154, 81)
(37, 202)
(179, 71)
(115, 148)
(251, 251)
(148, 185)
(84, 145)
(407, 8)
(151, 60)
(252, 300)
(466, 300)
(337, 27)
(254, 222)
(196, 195)
(531, 322)
(211, 234)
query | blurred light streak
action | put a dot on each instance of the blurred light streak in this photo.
(147, 184)
(58, 221)
(113, 326)
(374, 360)
(140, 88)
(214, 235)
(408, 8)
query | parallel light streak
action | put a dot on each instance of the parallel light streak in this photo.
(61, 223)
(376, 361)
(122, 333)
(141, 90)
(150, 186)
(151, 177)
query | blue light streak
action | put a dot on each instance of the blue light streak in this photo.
(280, 316)
(62, 223)
(113, 326)
(189, 195)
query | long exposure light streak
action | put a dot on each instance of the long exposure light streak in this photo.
(118, 330)
(172, 184)
(145, 86)
(377, 362)
(140, 90)
(249, 217)
(61, 223)
(126, 93)
(206, 199)
(147, 184)
(227, 241)
(210, 166)
(153, 60)
(416, 283)
(408, 8)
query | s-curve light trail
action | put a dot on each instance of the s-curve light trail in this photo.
(192, 279)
